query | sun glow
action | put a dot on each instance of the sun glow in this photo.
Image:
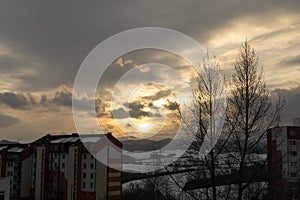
(159, 103)
(144, 127)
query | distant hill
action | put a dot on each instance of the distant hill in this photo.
(144, 145)
(5, 142)
(152, 145)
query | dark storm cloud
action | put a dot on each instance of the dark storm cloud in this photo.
(17, 101)
(62, 97)
(138, 113)
(56, 35)
(291, 109)
(6, 121)
(135, 105)
(51, 103)
(134, 111)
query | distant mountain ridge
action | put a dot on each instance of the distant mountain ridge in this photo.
(152, 145)
(5, 142)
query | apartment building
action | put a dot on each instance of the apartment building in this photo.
(284, 162)
(16, 167)
(63, 167)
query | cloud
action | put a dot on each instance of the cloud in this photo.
(110, 126)
(9, 63)
(120, 62)
(52, 47)
(143, 69)
(135, 105)
(6, 120)
(159, 95)
(138, 114)
(291, 109)
(63, 96)
(101, 108)
(136, 109)
(17, 101)
(171, 105)
(133, 109)
(40, 51)
(124, 63)
(291, 61)
(120, 113)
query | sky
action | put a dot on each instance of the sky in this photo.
(43, 43)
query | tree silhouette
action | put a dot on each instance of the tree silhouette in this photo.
(250, 112)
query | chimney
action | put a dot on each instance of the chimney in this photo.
(109, 134)
(296, 121)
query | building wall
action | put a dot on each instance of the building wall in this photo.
(39, 173)
(5, 188)
(0, 164)
(71, 173)
(296, 122)
(114, 172)
(101, 175)
(284, 162)
(26, 177)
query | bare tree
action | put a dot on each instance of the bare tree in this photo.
(250, 113)
(204, 122)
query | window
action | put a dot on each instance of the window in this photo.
(292, 142)
(92, 157)
(63, 165)
(294, 174)
(292, 133)
(83, 184)
(91, 185)
(84, 166)
(294, 185)
(84, 175)
(92, 166)
(2, 195)
(293, 164)
(84, 156)
(91, 175)
(293, 153)
(64, 156)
